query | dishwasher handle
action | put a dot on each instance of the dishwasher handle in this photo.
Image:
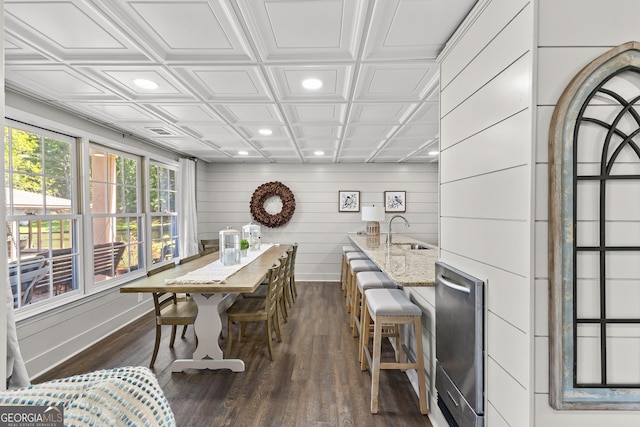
(452, 285)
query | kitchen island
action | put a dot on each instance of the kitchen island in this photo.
(414, 269)
(401, 260)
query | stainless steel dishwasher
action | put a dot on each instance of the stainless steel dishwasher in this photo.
(460, 346)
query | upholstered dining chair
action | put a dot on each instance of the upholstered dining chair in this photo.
(172, 310)
(258, 309)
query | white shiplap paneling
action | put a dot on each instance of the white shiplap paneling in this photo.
(505, 49)
(224, 192)
(487, 165)
(500, 147)
(587, 22)
(502, 97)
(478, 35)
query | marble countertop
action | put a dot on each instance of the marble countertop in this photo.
(407, 267)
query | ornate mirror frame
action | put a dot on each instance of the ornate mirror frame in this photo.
(567, 391)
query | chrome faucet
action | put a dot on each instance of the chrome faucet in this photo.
(406, 223)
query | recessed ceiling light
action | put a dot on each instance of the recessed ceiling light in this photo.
(312, 84)
(433, 153)
(265, 132)
(243, 153)
(318, 153)
(145, 83)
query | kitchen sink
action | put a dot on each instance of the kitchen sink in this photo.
(411, 246)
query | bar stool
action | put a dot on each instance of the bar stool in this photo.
(385, 307)
(364, 281)
(355, 267)
(346, 273)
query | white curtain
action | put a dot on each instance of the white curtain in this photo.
(16, 370)
(187, 215)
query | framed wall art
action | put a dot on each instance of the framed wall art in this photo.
(348, 201)
(395, 201)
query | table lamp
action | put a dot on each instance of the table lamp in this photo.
(372, 214)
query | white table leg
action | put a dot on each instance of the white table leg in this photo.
(208, 354)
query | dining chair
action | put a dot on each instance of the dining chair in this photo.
(285, 295)
(208, 246)
(246, 310)
(172, 310)
(160, 269)
(291, 279)
(190, 258)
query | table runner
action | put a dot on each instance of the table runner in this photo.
(216, 272)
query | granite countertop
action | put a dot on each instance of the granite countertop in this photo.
(407, 267)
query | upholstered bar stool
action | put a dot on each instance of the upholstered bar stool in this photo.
(346, 273)
(364, 281)
(391, 307)
(356, 266)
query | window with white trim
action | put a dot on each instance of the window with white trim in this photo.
(116, 216)
(42, 220)
(164, 218)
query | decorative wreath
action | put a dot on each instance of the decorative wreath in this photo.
(261, 195)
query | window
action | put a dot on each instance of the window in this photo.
(116, 216)
(59, 247)
(42, 220)
(164, 218)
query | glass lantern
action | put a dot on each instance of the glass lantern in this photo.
(251, 233)
(229, 246)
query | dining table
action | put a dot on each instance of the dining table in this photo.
(208, 294)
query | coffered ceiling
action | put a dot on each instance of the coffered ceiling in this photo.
(226, 69)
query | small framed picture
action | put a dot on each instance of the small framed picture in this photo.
(348, 201)
(395, 201)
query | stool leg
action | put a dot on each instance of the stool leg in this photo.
(365, 336)
(350, 284)
(355, 309)
(364, 330)
(417, 328)
(375, 369)
(343, 275)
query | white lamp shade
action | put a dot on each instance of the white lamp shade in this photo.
(372, 213)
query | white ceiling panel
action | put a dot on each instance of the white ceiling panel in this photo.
(396, 82)
(73, 28)
(380, 113)
(405, 29)
(183, 31)
(316, 113)
(57, 82)
(229, 83)
(186, 113)
(427, 113)
(267, 114)
(117, 112)
(123, 80)
(315, 132)
(288, 82)
(311, 30)
(68, 30)
(226, 69)
(374, 132)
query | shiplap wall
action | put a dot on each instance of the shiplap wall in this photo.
(572, 33)
(224, 191)
(486, 170)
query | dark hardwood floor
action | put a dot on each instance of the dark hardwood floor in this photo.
(315, 379)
